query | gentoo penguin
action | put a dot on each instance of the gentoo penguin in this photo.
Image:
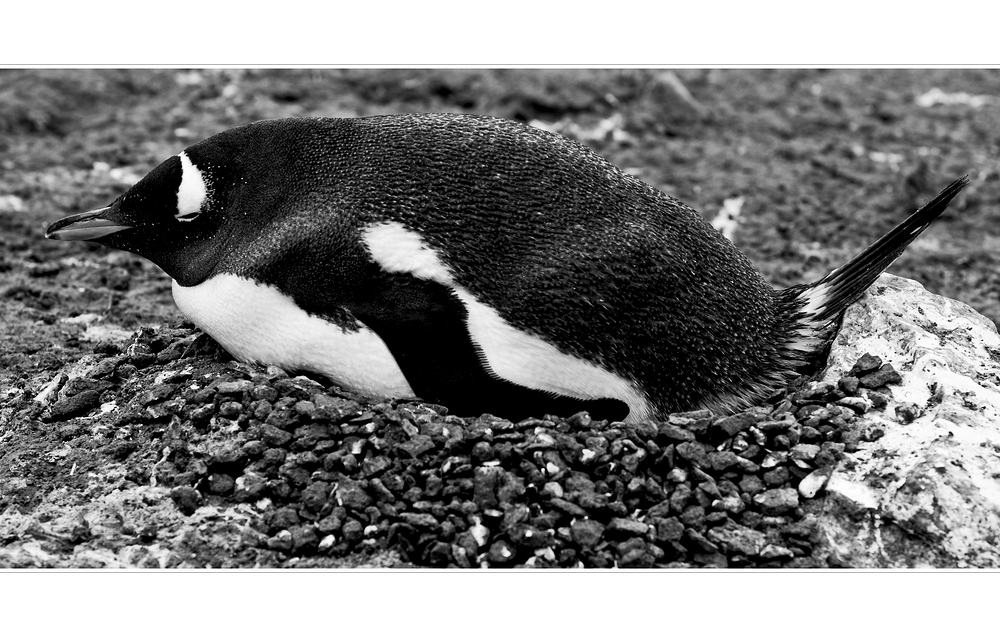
(473, 262)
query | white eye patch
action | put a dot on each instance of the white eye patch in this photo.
(192, 192)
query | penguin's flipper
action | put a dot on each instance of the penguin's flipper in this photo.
(423, 323)
(825, 300)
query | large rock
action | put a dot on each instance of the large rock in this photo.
(928, 492)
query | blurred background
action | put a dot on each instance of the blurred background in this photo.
(801, 168)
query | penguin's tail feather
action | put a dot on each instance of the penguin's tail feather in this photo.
(824, 301)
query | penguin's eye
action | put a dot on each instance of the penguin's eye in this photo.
(192, 192)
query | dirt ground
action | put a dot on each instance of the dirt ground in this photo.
(825, 161)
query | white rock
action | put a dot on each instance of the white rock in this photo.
(931, 486)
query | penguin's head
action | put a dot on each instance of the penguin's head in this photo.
(168, 217)
(184, 213)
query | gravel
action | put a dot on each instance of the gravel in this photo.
(332, 475)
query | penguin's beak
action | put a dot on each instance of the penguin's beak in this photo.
(84, 226)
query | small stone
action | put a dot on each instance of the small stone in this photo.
(719, 461)
(777, 476)
(694, 421)
(886, 375)
(804, 452)
(693, 516)
(281, 542)
(500, 552)
(751, 485)
(735, 538)
(731, 425)
(586, 532)
(304, 539)
(482, 451)
(416, 446)
(315, 496)
(230, 409)
(644, 430)
(747, 466)
(731, 504)
(907, 412)
(74, 405)
(282, 518)
(627, 527)
(580, 420)
(221, 484)
(673, 433)
(857, 404)
(553, 489)
(422, 521)
(771, 552)
(352, 495)
(848, 385)
(306, 409)
(528, 536)
(677, 475)
(866, 363)
(773, 459)
(353, 531)
(274, 436)
(815, 481)
(234, 387)
(878, 400)
(187, 499)
(485, 482)
(669, 529)
(636, 558)
(568, 508)
(693, 452)
(438, 554)
(375, 465)
(701, 543)
(777, 501)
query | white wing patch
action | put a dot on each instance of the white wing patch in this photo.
(520, 357)
(257, 323)
(192, 192)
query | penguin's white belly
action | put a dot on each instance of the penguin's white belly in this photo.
(257, 323)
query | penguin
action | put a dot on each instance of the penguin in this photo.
(473, 262)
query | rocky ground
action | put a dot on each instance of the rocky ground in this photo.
(149, 447)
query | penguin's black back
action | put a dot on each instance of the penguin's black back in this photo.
(559, 242)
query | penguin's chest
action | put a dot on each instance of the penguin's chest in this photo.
(257, 323)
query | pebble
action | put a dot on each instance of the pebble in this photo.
(866, 363)
(627, 527)
(500, 552)
(221, 484)
(732, 425)
(669, 529)
(734, 538)
(777, 501)
(815, 481)
(353, 531)
(352, 495)
(586, 533)
(234, 387)
(187, 499)
(886, 375)
(75, 405)
(281, 542)
(445, 491)
(908, 412)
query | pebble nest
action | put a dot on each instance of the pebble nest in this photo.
(333, 475)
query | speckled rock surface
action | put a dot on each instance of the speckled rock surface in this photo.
(927, 492)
